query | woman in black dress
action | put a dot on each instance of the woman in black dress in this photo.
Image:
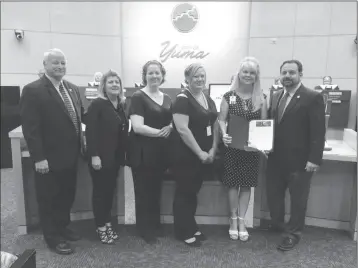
(241, 168)
(106, 135)
(151, 118)
(194, 148)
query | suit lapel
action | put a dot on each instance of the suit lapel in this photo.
(294, 100)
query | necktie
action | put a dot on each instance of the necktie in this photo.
(69, 108)
(282, 105)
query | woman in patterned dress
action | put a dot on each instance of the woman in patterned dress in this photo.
(241, 167)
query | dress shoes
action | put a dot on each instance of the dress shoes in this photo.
(62, 248)
(201, 237)
(69, 235)
(288, 243)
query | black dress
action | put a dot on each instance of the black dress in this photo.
(146, 151)
(188, 171)
(148, 157)
(241, 168)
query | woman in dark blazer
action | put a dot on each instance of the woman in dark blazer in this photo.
(106, 133)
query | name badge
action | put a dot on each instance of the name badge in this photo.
(208, 130)
(232, 99)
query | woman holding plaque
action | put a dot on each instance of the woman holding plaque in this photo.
(151, 118)
(106, 134)
(194, 149)
(245, 99)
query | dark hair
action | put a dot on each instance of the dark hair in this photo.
(297, 62)
(145, 69)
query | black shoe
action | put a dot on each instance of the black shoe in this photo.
(194, 244)
(70, 235)
(62, 248)
(288, 243)
(201, 237)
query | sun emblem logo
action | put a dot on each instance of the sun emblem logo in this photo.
(185, 17)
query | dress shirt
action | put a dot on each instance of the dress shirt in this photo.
(290, 95)
(56, 84)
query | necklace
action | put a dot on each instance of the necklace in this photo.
(204, 102)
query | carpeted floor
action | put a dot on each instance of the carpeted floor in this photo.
(319, 248)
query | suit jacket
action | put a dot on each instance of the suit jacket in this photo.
(106, 133)
(47, 126)
(300, 135)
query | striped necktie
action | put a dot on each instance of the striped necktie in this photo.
(69, 107)
(282, 106)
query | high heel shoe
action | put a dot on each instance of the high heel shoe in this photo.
(234, 234)
(112, 233)
(243, 235)
(103, 236)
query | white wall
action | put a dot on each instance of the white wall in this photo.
(319, 34)
(89, 34)
(222, 31)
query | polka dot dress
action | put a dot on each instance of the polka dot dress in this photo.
(241, 168)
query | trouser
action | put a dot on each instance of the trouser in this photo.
(188, 183)
(298, 184)
(55, 193)
(147, 190)
(104, 183)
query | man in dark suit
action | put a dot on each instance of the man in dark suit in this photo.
(51, 112)
(298, 149)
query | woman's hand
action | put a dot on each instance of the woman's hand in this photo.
(96, 162)
(204, 157)
(165, 131)
(226, 139)
(211, 157)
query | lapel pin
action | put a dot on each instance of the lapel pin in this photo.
(70, 89)
(298, 96)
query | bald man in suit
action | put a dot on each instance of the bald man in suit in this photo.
(51, 114)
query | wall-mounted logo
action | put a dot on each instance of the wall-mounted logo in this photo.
(185, 17)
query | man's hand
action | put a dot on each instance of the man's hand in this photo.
(42, 167)
(96, 162)
(310, 167)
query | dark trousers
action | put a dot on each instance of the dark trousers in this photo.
(188, 183)
(104, 183)
(147, 190)
(55, 193)
(298, 184)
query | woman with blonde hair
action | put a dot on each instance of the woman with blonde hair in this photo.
(241, 167)
(106, 135)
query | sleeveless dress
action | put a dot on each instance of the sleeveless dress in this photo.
(241, 168)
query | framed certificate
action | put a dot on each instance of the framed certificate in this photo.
(216, 92)
(261, 134)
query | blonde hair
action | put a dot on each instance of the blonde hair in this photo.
(101, 88)
(257, 94)
(191, 70)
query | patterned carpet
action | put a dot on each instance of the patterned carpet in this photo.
(319, 248)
